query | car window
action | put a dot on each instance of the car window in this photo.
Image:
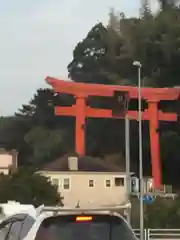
(27, 225)
(95, 227)
(4, 231)
(15, 229)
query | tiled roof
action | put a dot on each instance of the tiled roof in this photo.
(88, 164)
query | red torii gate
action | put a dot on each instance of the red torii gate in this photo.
(81, 111)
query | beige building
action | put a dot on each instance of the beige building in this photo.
(8, 160)
(87, 181)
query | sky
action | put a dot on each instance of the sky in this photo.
(37, 38)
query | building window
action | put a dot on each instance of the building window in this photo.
(55, 182)
(66, 183)
(91, 183)
(108, 183)
(119, 181)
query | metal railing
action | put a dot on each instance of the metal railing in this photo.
(137, 232)
(156, 234)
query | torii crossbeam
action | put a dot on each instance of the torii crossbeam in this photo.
(82, 111)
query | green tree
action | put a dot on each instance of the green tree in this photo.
(98, 52)
(48, 135)
(46, 144)
(88, 55)
(163, 213)
(164, 4)
(40, 110)
(157, 45)
(28, 187)
(12, 132)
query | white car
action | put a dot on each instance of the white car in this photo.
(54, 223)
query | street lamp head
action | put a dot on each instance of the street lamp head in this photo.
(137, 64)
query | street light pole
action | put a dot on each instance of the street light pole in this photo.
(138, 65)
(127, 153)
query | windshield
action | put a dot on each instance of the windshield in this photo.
(95, 228)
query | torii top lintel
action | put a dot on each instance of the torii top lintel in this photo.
(79, 89)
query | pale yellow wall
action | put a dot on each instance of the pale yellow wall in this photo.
(5, 171)
(80, 190)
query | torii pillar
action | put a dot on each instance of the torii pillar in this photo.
(155, 141)
(80, 124)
